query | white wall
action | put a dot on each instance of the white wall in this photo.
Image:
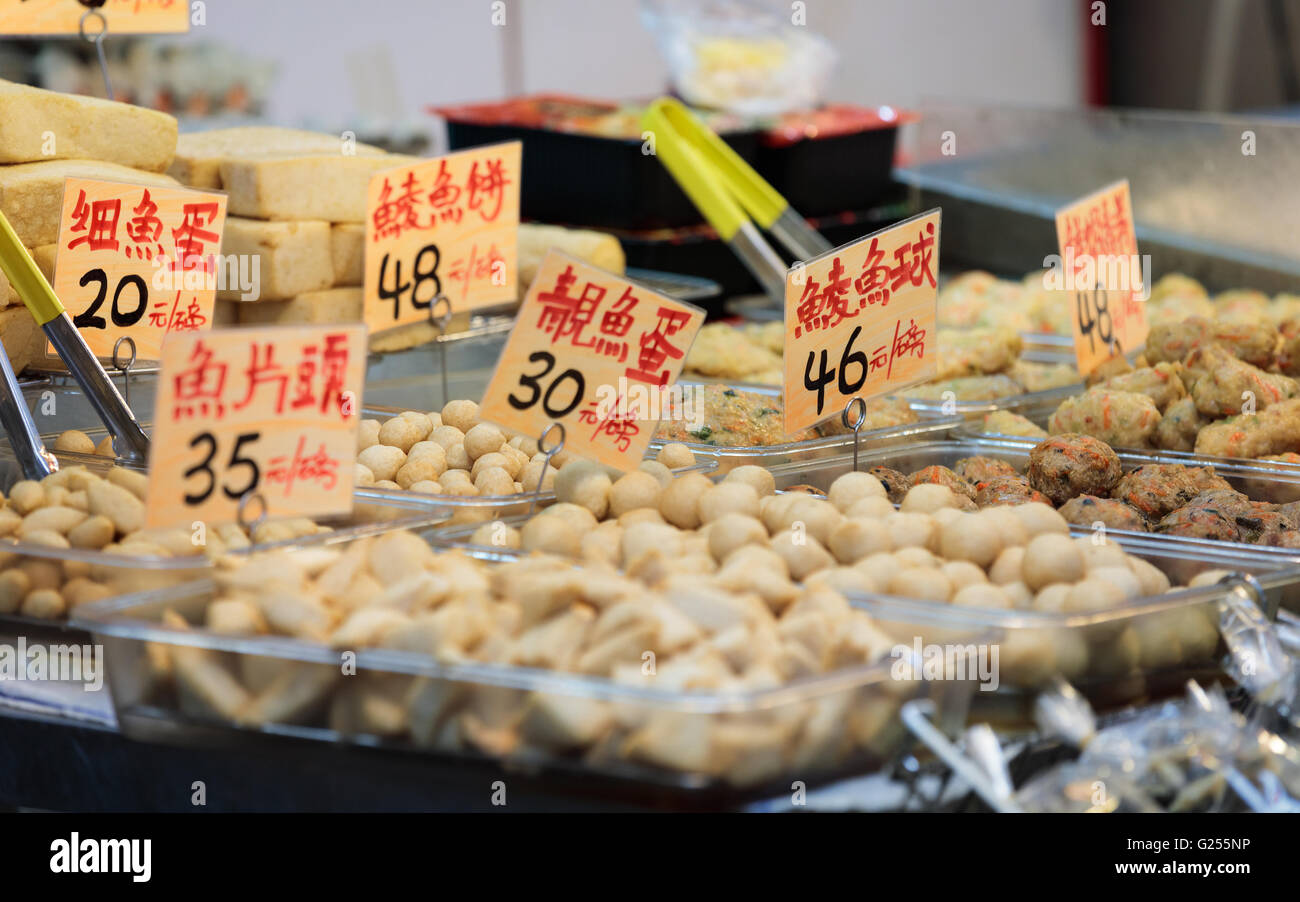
(891, 51)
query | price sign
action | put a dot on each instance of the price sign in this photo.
(1103, 275)
(137, 261)
(272, 412)
(444, 226)
(123, 17)
(860, 321)
(594, 352)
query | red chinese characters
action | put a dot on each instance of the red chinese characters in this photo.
(410, 206)
(288, 470)
(617, 424)
(313, 380)
(824, 304)
(100, 234)
(1103, 228)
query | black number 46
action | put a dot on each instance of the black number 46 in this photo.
(849, 358)
(235, 461)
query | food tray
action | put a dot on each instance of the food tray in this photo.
(970, 409)
(1039, 411)
(479, 508)
(1116, 656)
(123, 573)
(856, 706)
(1275, 485)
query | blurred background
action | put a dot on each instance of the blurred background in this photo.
(375, 66)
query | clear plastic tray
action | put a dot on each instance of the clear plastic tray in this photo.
(970, 409)
(694, 740)
(121, 574)
(1118, 655)
(1269, 484)
(480, 508)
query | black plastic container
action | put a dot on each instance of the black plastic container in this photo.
(821, 176)
(585, 179)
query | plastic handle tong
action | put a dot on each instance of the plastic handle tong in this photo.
(730, 194)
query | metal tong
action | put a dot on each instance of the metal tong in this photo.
(129, 440)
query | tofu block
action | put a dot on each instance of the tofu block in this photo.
(44, 258)
(20, 336)
(597, 248)
(333, 305)
(293, 257)
(34, 121)
(304, 187)
(31, 194)
(199, 155)
(348, 246)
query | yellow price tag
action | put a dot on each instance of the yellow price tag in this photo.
(122, 16)
(271, 413)
(1101, 274)
(597, 354)
(446, 226)
(860, 321)
(138, 261)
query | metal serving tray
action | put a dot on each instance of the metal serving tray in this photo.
(1039, 411)
(811, 729)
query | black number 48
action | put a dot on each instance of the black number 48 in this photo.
(425, 269)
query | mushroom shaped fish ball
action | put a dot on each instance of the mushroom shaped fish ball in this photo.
(971, 539)
(426, 467)
(383, 461)
(679, 503)
(852, 487)
(585, 483)
(871, 508)
(963, 573)
(483, 438)
(577, 517)
(534, 471)
(725, 498)
(1008, 566)
(1064, 466)
(803, 554)
(635, 490)
(732, 531)
(855, 539)
(915, 557)
(662, 474)
(105, 447)
(1051, 558)
(1038, 518)
(922, 583)
(463, 415)
(981, 595)
(401, 433)
(909, 530)
(880, 567)
(1152, 579)
(447, 436)
(1007, 524)
(494, 481)
(1052, 599)
(492, 459)
(815, 516)
(426, 487)
(675, 455)
(760, 478)
(367, 434)
(74, 440)
(550, 535)
(928, 498)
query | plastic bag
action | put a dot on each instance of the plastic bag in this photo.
(737, 56)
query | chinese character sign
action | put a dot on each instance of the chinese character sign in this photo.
(1104, 273)
(123, 16)
(445, 226)
(594, 352)
(272, 412)
(860, 321)
(137, 261)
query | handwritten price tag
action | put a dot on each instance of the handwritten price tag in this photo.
(596, 353)
(272, 412)
(123, 17)
(445, 226)
(137, 261)
(860, 321)
(1103, 274)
